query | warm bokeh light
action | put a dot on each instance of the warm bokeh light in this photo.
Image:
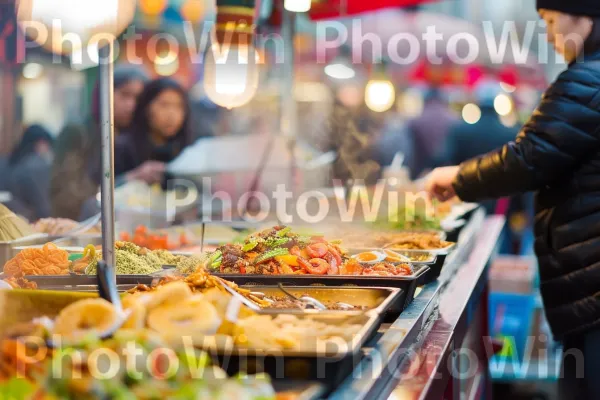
(166, 63)
(471, 113)
(68, 26)
(380, 95)
(193, 10)
(503, 104)
(32, 70)
(231, 75)
(297, 5)
(410, 103)
(340, 71)
(153, 7)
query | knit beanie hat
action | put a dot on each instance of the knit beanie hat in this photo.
(584, 8)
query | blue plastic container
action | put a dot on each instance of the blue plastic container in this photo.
(510, 318)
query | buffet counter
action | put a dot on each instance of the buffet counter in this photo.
(415, 340)
(435, 347)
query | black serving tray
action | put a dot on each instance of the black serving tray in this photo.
(408, 284)
(44, 281)
(435, 270)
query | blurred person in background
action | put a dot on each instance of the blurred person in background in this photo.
(429, 130)
(354, 148)
(159, 132)
(557, 154)
(465, 141)
(3, 173)
(71, 184)
(129, 83)
(29, 173)
(395, 138)
(205, 118)
(76, 172)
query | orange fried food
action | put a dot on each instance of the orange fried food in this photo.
(49, 260)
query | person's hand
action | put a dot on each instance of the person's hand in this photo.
(149, 172)
(439, 183)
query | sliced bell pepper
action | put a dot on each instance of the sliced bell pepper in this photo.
(288, 259)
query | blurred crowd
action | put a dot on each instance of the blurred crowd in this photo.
(59, 176)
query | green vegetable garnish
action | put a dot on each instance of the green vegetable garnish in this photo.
(249, 246)
(16, 388)
(271, 254)
(283, 232)
(214, 256)
(217, 263)
(274, 242)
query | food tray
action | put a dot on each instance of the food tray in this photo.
(380, 299)
(68, 281)
(408, 284)
(438, 252)
(299, 390)
(435, 270)
(439, 232)
(329, 367)
(78, 240)
(429, 257)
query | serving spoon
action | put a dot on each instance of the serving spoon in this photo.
(309, 302)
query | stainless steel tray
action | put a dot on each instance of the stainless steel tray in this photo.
(21, 306)
(415, 256)
(78, 240)
(377, 238)
(439, 252)
(379, 299)
(369, 320)
(418, 257)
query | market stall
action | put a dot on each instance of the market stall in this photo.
(380, 333)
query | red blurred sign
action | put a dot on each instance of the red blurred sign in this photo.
(332, 9)
(12, 40)
(327, 9)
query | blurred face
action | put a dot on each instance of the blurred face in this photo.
(44, 149)
(125, 99)
(567, 33)
(167, 114)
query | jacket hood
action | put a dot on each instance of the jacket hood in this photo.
(591, 47)
(583, 8)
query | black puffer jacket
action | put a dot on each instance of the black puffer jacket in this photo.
(556, 153)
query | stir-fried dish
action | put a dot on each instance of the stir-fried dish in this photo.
(279, 251)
